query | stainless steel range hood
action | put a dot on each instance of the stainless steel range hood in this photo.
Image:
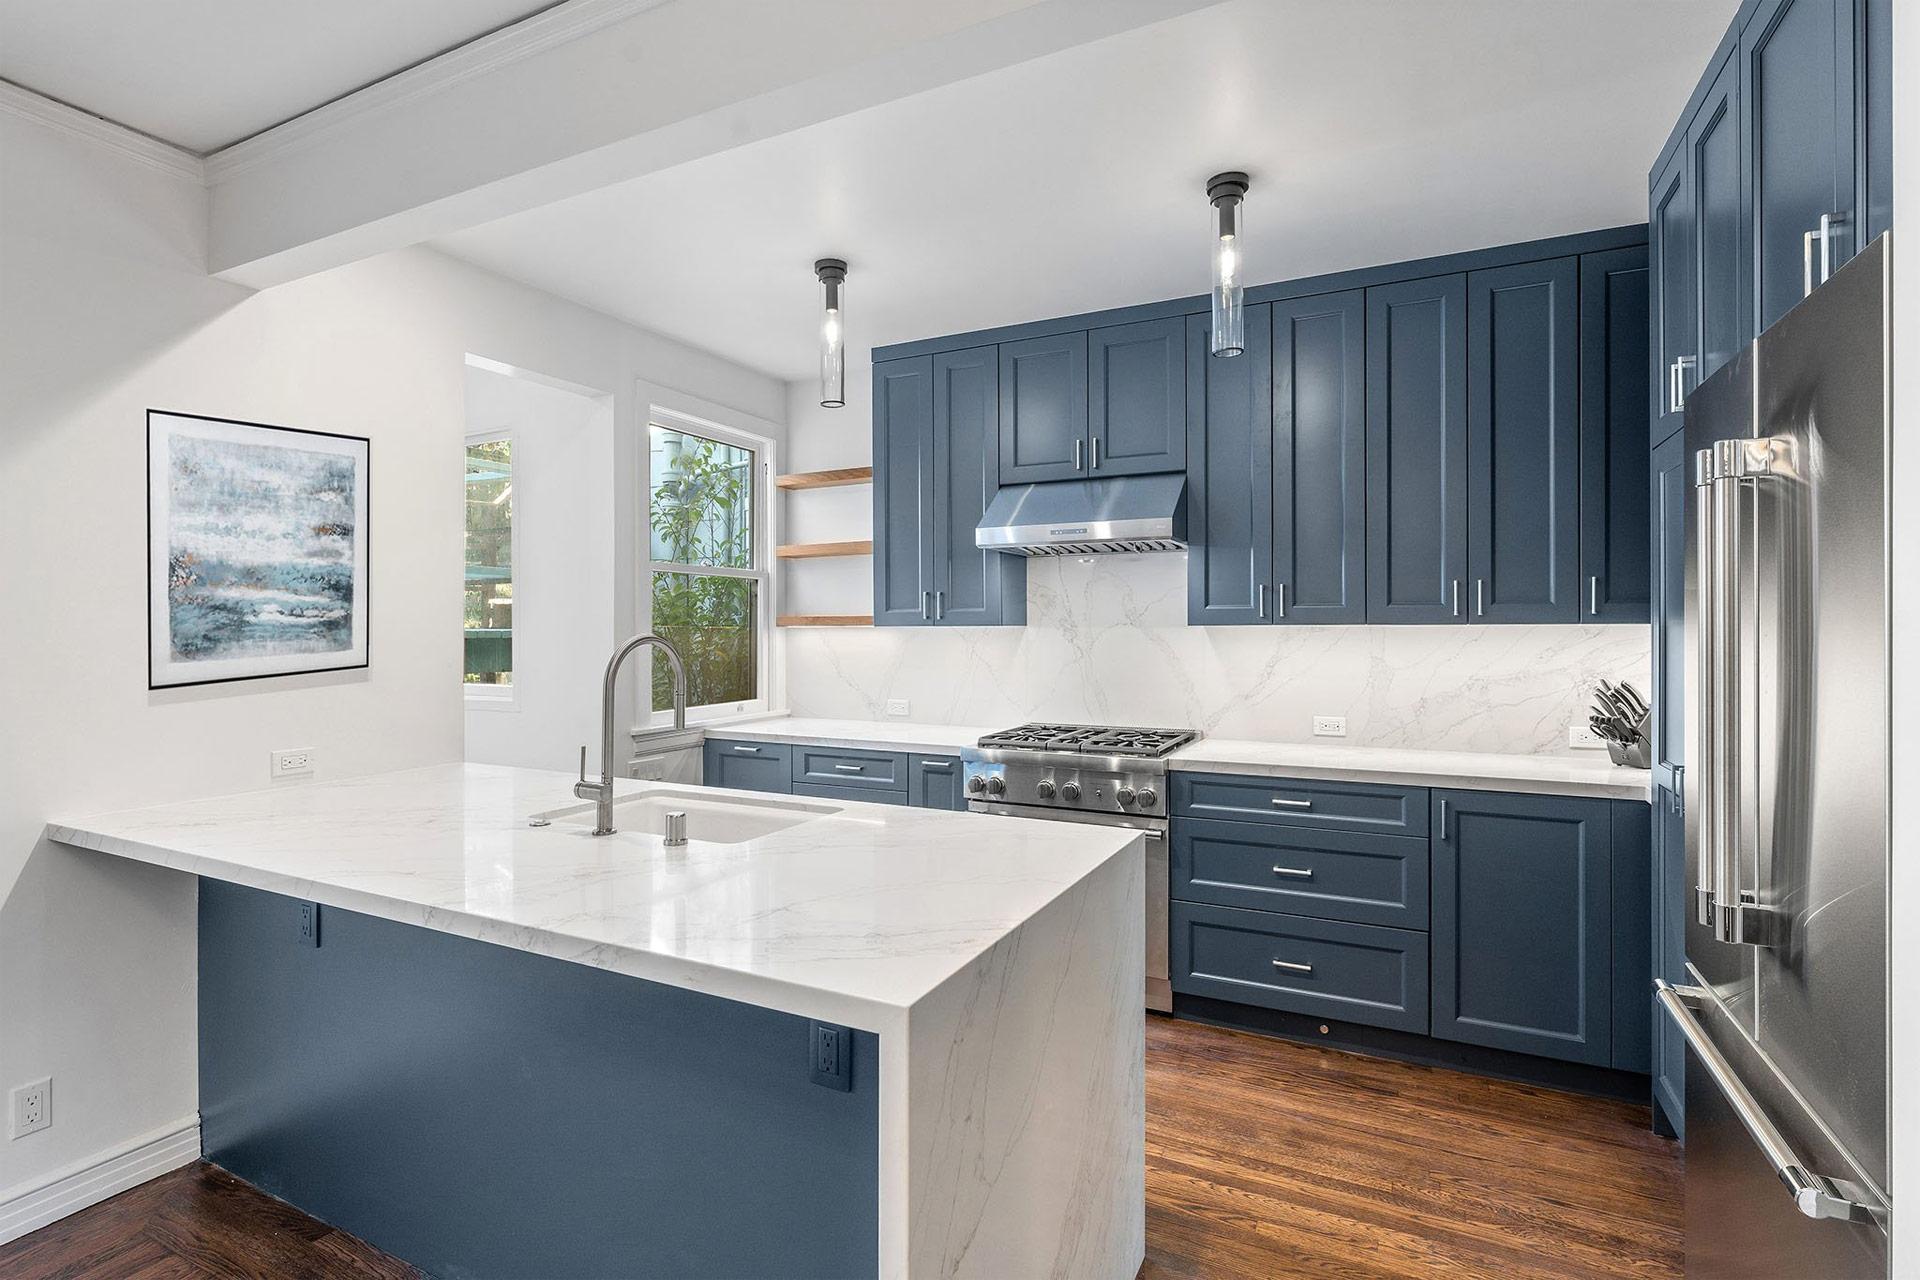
(1087, 517)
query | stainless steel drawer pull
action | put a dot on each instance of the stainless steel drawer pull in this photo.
(1292, 966)
(1298, 873)
(1813, 1195)
(752, 751)
(932, 767)
(1281, 802)
(851, 768)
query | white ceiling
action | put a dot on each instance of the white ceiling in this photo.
(1375, 131)
(205, 73)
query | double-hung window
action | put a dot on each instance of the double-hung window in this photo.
(489, 571)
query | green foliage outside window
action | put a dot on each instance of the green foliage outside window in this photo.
(702, 515)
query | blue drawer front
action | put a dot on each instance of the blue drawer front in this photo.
(1379, 808)
(748, 766)
(1302, 871)
(848, 767)
(1353, 972)
(860, 795)
(936, 782)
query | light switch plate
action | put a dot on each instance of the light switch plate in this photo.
(1329, 726)
(898, 707)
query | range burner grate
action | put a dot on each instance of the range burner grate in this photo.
(1095, 740)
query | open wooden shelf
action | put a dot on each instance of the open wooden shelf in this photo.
(811, 550)
(825, 479)
(825, 620)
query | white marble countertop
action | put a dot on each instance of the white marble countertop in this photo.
(889, 735)
(851, 917)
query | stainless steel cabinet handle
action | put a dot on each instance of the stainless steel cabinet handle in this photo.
(752, 751)
(926, 606)
(1593, 596)
(1806, 261)
(1456, 597)
(1292, 966)
(936, 766)
(1298, 873)
(1828, 221)
(1096, 454)
(1677, 382)
(1076, 454)
(1443, 819)
(1677, 798)
(1479, 597)
(939, 605)
(851, 768)
(1281, 802)
(1260, 601)
(1813, 1195)
(1282, 593)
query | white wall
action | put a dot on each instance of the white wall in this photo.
(107, 311)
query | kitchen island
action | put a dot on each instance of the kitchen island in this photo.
(820, 1038)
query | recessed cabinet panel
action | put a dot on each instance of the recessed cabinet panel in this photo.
(1675, 331)
(934, 782)
(748, 766)
(1722, 235)
(1613, 437)
(1137, 398)
(1229, 470)
(1043, 408)
(1319, 459)
(903, 497)
(971, 587)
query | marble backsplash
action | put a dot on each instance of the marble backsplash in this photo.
(1106, 642)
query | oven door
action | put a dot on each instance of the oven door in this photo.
(1159, 994)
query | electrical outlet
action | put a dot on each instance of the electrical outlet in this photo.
(310, 923)
(1329, 726)
(831, 1063)
(30, 1108)
(1581, 738)
(294, 763)
(897, 707)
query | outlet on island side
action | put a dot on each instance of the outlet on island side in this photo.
(1329, 726)
(30, 1108)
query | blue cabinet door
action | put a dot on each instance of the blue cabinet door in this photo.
(1417, 450)
(1667, 532)
(1668, 1052)
(1631, 862)
(1722, 241)
(1043, 409)
(972, 587)
(903, 493)
(1229, 470)
(1797, 119)
(1673, 324)
(1523, 442)
(1522, 924)
(1613, 436)
(934, 782)
(1873, 86)
(1319, 453)
(749, 766)
(1137, 398)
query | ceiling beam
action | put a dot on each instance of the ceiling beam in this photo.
(595, 92)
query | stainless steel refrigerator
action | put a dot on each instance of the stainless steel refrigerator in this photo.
(1785, 1011)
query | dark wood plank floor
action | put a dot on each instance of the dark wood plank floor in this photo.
(1264, 1159)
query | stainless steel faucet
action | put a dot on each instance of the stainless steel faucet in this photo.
(601, 792)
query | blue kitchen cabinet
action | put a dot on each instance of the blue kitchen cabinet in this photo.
(903, 493)
(1137, 398)
(1043, 408)
(1668, 954)
(1673, 324)
(1668, 949)
(1523, 442)
(971, 587)
(1630, 861)
(1229, 476)
(1722, 237)
(1614, 336)
(935, 782)
(748, 766)
(1873, 86)
(1319, 459)
(1416, 357)
(1523, 923)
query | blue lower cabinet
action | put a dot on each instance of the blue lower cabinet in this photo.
(1331, 875)
(1379, 808)
(747, 766)
(851, 767)
(935, 782)
(1632, 896)
(1330, 969)
(1522, 924)
(860, 795)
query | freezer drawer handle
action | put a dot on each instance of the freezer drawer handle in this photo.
(1813, 1195)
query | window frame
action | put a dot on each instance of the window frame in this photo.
(760, 513)
(493, 697)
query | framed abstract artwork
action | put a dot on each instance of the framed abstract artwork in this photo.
(256, 550)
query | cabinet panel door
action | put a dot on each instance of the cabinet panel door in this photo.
(1137, 398)
(1229, 470)
(1675, 330)
(1796, 109)
(748, 766)
(1669, 950)
(972, 587)
(1721, 231)
(1668, 534)
(1613, 436)
(934, 782)
(1522, 926)
(1523, 450)
(1632, 901)
(1319, 459)
(1043, 408)
(903, 497)
(1417, 450)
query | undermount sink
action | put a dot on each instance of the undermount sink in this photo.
(709, 820)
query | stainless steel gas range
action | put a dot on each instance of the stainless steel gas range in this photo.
(1094, 774)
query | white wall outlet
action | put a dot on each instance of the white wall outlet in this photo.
(898, 707)
(294, 763)
(30, 1108)
(1329, 726)
(1581, 738)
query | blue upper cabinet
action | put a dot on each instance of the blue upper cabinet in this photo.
(1229, 476)
(1797, 64)
(971, 587)
(1319, 453)
(1613, 436)
(1417, 447)
(1137, 398)
(1722, 242)
(1673, 327)
(1043, 409)
(1523, 442)
(903, 493)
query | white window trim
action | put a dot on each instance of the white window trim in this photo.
(763, 449)
(495, 697)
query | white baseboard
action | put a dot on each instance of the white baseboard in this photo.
(92, 1180)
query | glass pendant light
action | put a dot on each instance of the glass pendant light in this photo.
(833, 355)
(1226, 191)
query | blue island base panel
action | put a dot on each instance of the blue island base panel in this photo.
(484, 1112)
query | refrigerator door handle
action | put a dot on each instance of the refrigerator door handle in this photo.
(1813, 1195)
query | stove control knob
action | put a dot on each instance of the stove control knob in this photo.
(1124, 795)
(976, 784)
(1070, 791)
(1146, 797)
(996, 786)
(1045, 789)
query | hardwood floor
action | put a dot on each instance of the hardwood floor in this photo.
(1264, 1159)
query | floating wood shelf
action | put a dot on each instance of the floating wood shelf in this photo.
(810, 550)
(825, 619)
(825, 479)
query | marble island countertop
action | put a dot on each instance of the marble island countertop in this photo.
(853, 916)
(1586, 774)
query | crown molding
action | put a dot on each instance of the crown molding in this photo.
(565, 21)
(75, 123)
